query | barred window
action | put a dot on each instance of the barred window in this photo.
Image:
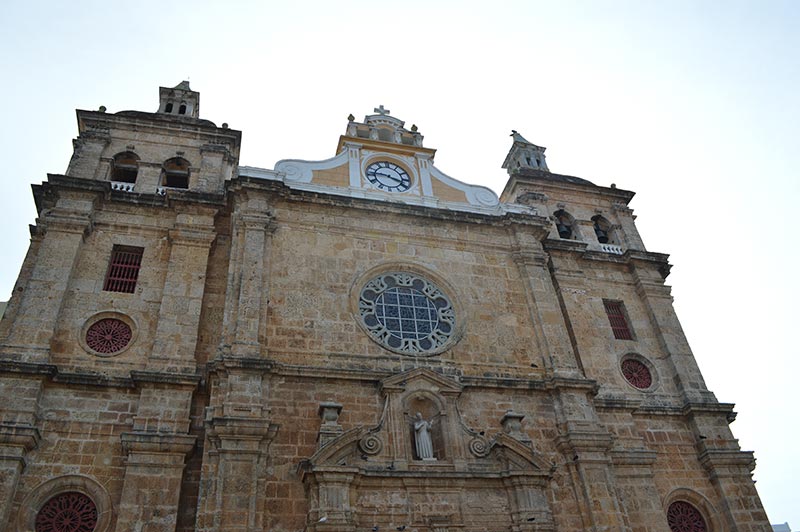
(123, 269)
(618, 320)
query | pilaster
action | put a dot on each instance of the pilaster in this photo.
(87, 150)
(655, 296)
(152, 485)
(552, 338)
(238, 434)
(182, 297)
(248, 277)
(15, 442)
(586, 447)
(64, 228)
(729, 468)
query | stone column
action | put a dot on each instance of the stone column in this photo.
(648, 274)
(550, 331)
(15, 443)
(586, 447)
(640, 498)
(182, 297)
(239, 448)
(256, 243)
(156, 452)
(152, 486)
(729, 469)
(87, 150)
(329, 499)
(64, 228)
(238, 435)
(528, 503)
(247, 294)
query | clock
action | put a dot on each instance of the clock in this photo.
(388, 176)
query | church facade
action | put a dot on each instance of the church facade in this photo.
(362, 343)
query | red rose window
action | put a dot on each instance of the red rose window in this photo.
(637, 374)
(108, 335)
(67, 512)
(683, 517)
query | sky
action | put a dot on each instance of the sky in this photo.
(692, 104)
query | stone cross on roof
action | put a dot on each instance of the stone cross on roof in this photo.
(381, 111)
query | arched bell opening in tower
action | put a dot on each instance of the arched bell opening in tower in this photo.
(564, 224)
(602, 229)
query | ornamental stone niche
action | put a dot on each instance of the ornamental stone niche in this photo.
(378, 476)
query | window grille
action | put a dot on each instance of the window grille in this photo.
(123, 270)
(619, 323)
(67, 512)
(683, 517)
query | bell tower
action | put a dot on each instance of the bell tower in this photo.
(180, 100)
(524, 154)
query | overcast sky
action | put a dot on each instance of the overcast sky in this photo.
(693, 105)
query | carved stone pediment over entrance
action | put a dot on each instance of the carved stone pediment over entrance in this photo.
(378, 476)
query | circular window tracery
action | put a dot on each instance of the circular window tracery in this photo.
(683, 517)
(406, 313)
(637, 373)
(67, 512)
(108, 335)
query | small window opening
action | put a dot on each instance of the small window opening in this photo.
(168, 108)
(175, 173)
(182, 109)
(123, 269)
(125, 167)
(618, 319)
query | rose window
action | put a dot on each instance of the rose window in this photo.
(406, 313)
(637, 374)
(108, 335)
(67, 512)
(683, 517)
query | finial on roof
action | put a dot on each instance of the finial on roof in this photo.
(350, 117)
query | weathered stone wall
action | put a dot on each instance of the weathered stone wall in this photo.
(251, 397)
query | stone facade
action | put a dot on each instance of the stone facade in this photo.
(284, 327)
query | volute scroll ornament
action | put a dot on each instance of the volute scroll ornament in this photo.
(480, 446)
(370, 444)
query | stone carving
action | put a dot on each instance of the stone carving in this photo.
(329, 428)
(480, 446)
(370, 444)
(422, 437)
(512, 425)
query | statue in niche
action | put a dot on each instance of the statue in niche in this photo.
(423, 442)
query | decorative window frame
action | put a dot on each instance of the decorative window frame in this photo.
(38, 496)
(107, 314)
(650, 367)
(703, 505)
(450, 293)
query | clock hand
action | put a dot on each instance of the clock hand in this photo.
(389, 176)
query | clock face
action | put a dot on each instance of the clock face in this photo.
(388, 176)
